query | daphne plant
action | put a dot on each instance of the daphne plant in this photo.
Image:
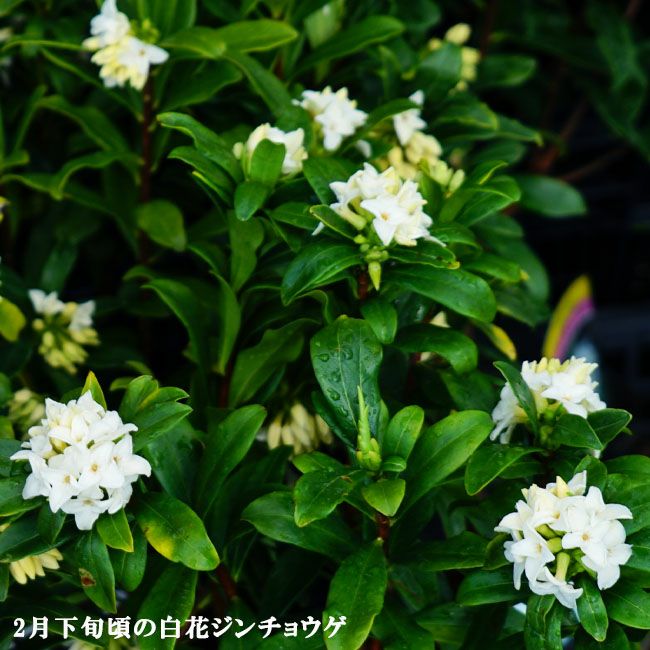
(284, 236)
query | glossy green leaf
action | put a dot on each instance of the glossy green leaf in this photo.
(12, 320)
(266, 162)
(273, 516)
(488, 462)
(550, 196)
(608, 423)
(382, 318)
(521, 390)
(458, 290)
(250, 196)
(443, 448)
(95, 570)
(386, 495)
(463, 551)
(163, 222)
(591, 609)
(171, 595)
(456, 348)
(175, 531)
(402, 432)
(575, 431)
(356, 592)
(92, 385)
(256, 35)
(628, 604)
(317, 264)
(226, 446)
(115, 531)
(483, 587)
(346, 355)
(317, 493)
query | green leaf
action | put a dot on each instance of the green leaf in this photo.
(628, 604)
(183, 303)
(22, 539)
(226, 446)
(169, 16)
(255, 366)
(464, 551)
(319, 263)
(443, 448)
(356, 38)
(273, 516)
(440, 71)
(49, 524)
(456, 348)
(317, 493)
(115, 532)
(263, 82)
(458, 290)
(130, 567)
(256, 35)
(333, 221)
(200, 41)
(320, 172)
(488, 462)
(608, 423)
(382, 317)
(208, 172)
(95, 570)
(616, 640)
(483, 587)
(427, 253)
(95, 389)
(386, 495)
(356, 592)
(11, 496)
(228, 315)
(521, 390)
(175, 531)
(163, 222)
(484, 200)
(402, 432)
(250, 196)
(346, 355)
(550, 196)
(640, 559)
(171, 595)
(266, 162)
(152, 409)
(542, 630)
(495, 266)
(499, 70)
(591, 609)
(12, 320)
(575, 431)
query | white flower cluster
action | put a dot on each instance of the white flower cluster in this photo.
(293, 144)
(336, 114)
(553, 383)
(558, 532)
(122, 56)
(394, 206)
(65, 327)
(82, 460)
(298, 429)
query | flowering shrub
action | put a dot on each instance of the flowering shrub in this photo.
(257, 259)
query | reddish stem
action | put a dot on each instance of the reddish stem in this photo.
(227, 582)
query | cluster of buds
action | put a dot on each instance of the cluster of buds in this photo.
(299, 429)
(559, 532)
(26, 409)
(64, 329)
(293, 142)
(33, 566)
(368, 451)
(459, 35)
(385, 210)
(556, 386)
(123, 56)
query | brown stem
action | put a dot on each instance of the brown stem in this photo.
(488, 26)
(147, 119)
(595, 165)
(374, 644)
(383, 527)
(363, 284)
(224, 389)
(227, 582)
(632, 9)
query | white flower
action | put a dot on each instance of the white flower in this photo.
(47, 304)
(407, 123)
(559, 531)
(394, 206)
(122, 57)
(82, 460)
(547, 584)
(337, 115)
(108, 27)
(292, 140)
(553, 383)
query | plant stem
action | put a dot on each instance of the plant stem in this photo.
(227, 582)
(363, 284)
